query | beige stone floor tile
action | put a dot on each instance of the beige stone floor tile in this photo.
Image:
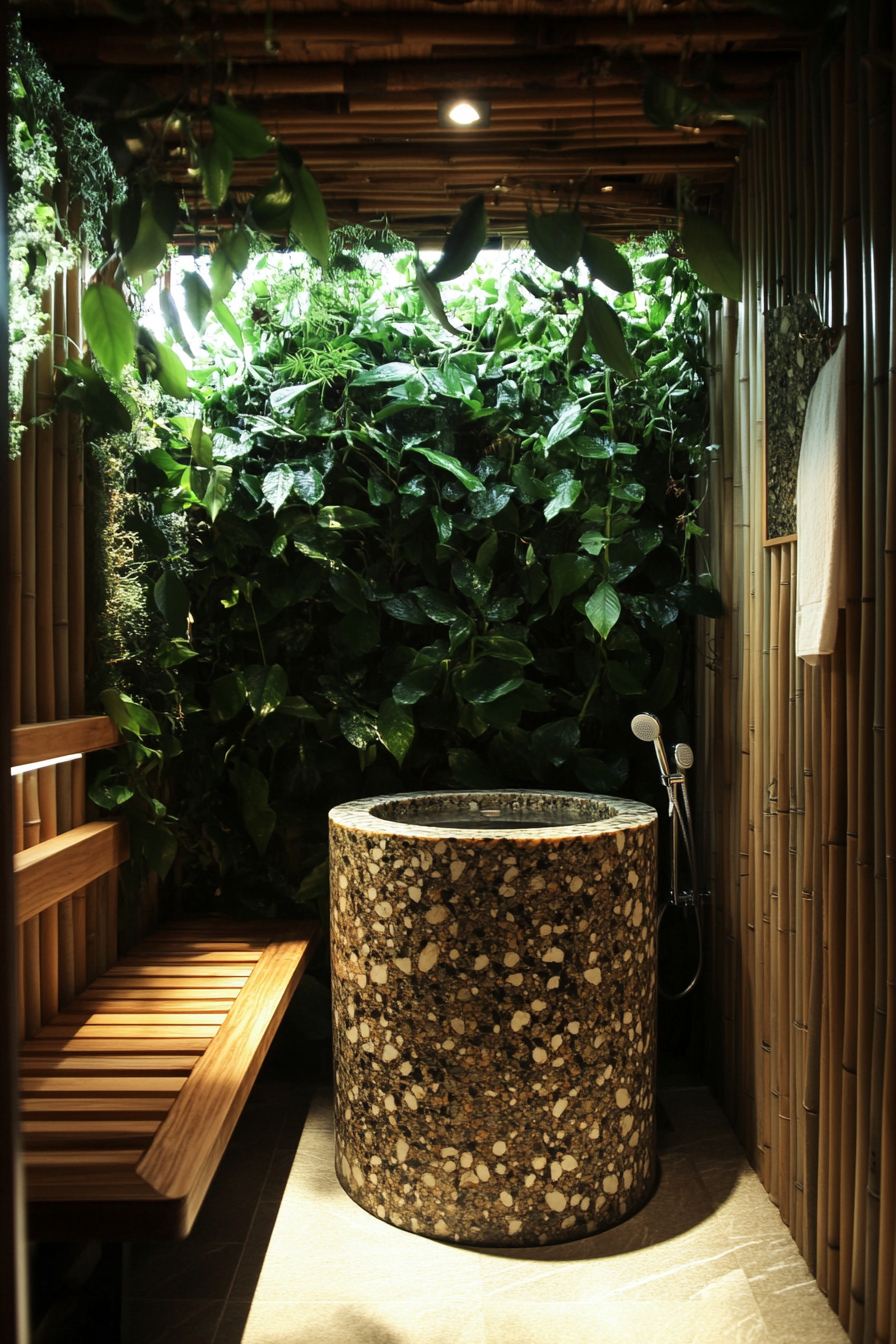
(382, 1321)
(725, 1314)
(707, 1259)
(335, 1251)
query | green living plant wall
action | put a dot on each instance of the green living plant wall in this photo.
(432, 538)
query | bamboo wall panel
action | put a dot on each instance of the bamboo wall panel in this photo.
(66, 942)
(800, 761)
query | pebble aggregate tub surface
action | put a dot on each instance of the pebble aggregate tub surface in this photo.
(494, 1001)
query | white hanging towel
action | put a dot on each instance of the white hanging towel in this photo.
(820, 510)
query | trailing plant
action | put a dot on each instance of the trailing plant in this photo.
(46, 142)
(412, 558)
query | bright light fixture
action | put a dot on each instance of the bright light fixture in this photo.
(41, 765)
(456, 113)
(464, 114)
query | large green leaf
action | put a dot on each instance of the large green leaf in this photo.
(150, 247)
(469, 579)
(277, 486)
(221, 276)
(450, 464)
(126, 713)
(415, 684)
(173, 601)
(668, 105)
(228, 696)
(603, 608)
(570, 419)
(229, 323)
(308, 220)
(437, 605)
(266, 688)
(241, 132)
(217, 491)
(464, 243)
(568, 572)
(308, 484)
(234, 243)
(259, 817)
(489, 680)
(512, 650)
(554, 743)
(712, 255)
(109, 327)
(605, 331)
(394, 372)
(216, 167)
(341, 516)
(432, 299)
(171, 373)
(197, 299)
(172, 319)
(556, 238)
(395, 728)
(272, 206)
(606, 263)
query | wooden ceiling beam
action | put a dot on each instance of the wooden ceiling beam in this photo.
(581, 72)
(293, 37)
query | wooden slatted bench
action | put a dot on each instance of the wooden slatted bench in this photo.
(130, 1094)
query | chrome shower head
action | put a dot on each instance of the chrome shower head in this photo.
(647, 728)
(684, 755)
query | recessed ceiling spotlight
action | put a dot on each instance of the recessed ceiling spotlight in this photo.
(607, 187)
(459, 113)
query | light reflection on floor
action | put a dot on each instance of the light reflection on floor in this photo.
(281, 1255)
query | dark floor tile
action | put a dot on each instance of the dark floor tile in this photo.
(278, 1174)
(232, 1325)
(201, 1270)
(248, 1272)
(170, 1321)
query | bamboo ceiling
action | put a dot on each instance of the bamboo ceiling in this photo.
(355, 87)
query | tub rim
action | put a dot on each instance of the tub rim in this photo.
(357, 815)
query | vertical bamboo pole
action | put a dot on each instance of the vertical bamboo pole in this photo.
(880, 192)
(60, 555)
(886, 1273)
(770, 916)
(855, 742)
(781, 931)
(28, 687)
(75, 595)
(31, 927)
(46, 693)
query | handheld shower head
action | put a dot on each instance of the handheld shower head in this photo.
(646, 727)
(684, 755)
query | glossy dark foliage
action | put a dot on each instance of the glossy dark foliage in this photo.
(416, 562)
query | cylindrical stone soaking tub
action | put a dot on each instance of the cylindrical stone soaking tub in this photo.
(494, 981)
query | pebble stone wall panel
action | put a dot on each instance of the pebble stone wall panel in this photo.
(494, 1015)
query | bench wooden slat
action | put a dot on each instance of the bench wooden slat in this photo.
(103, 1084)
(102, 1108)
(62, 737)
(181, 1018)
(119, 1033)
(85, 1087)
(61, 1045)
(52, 870)
(180, 1005)
(204, 962)
(185, 1153)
